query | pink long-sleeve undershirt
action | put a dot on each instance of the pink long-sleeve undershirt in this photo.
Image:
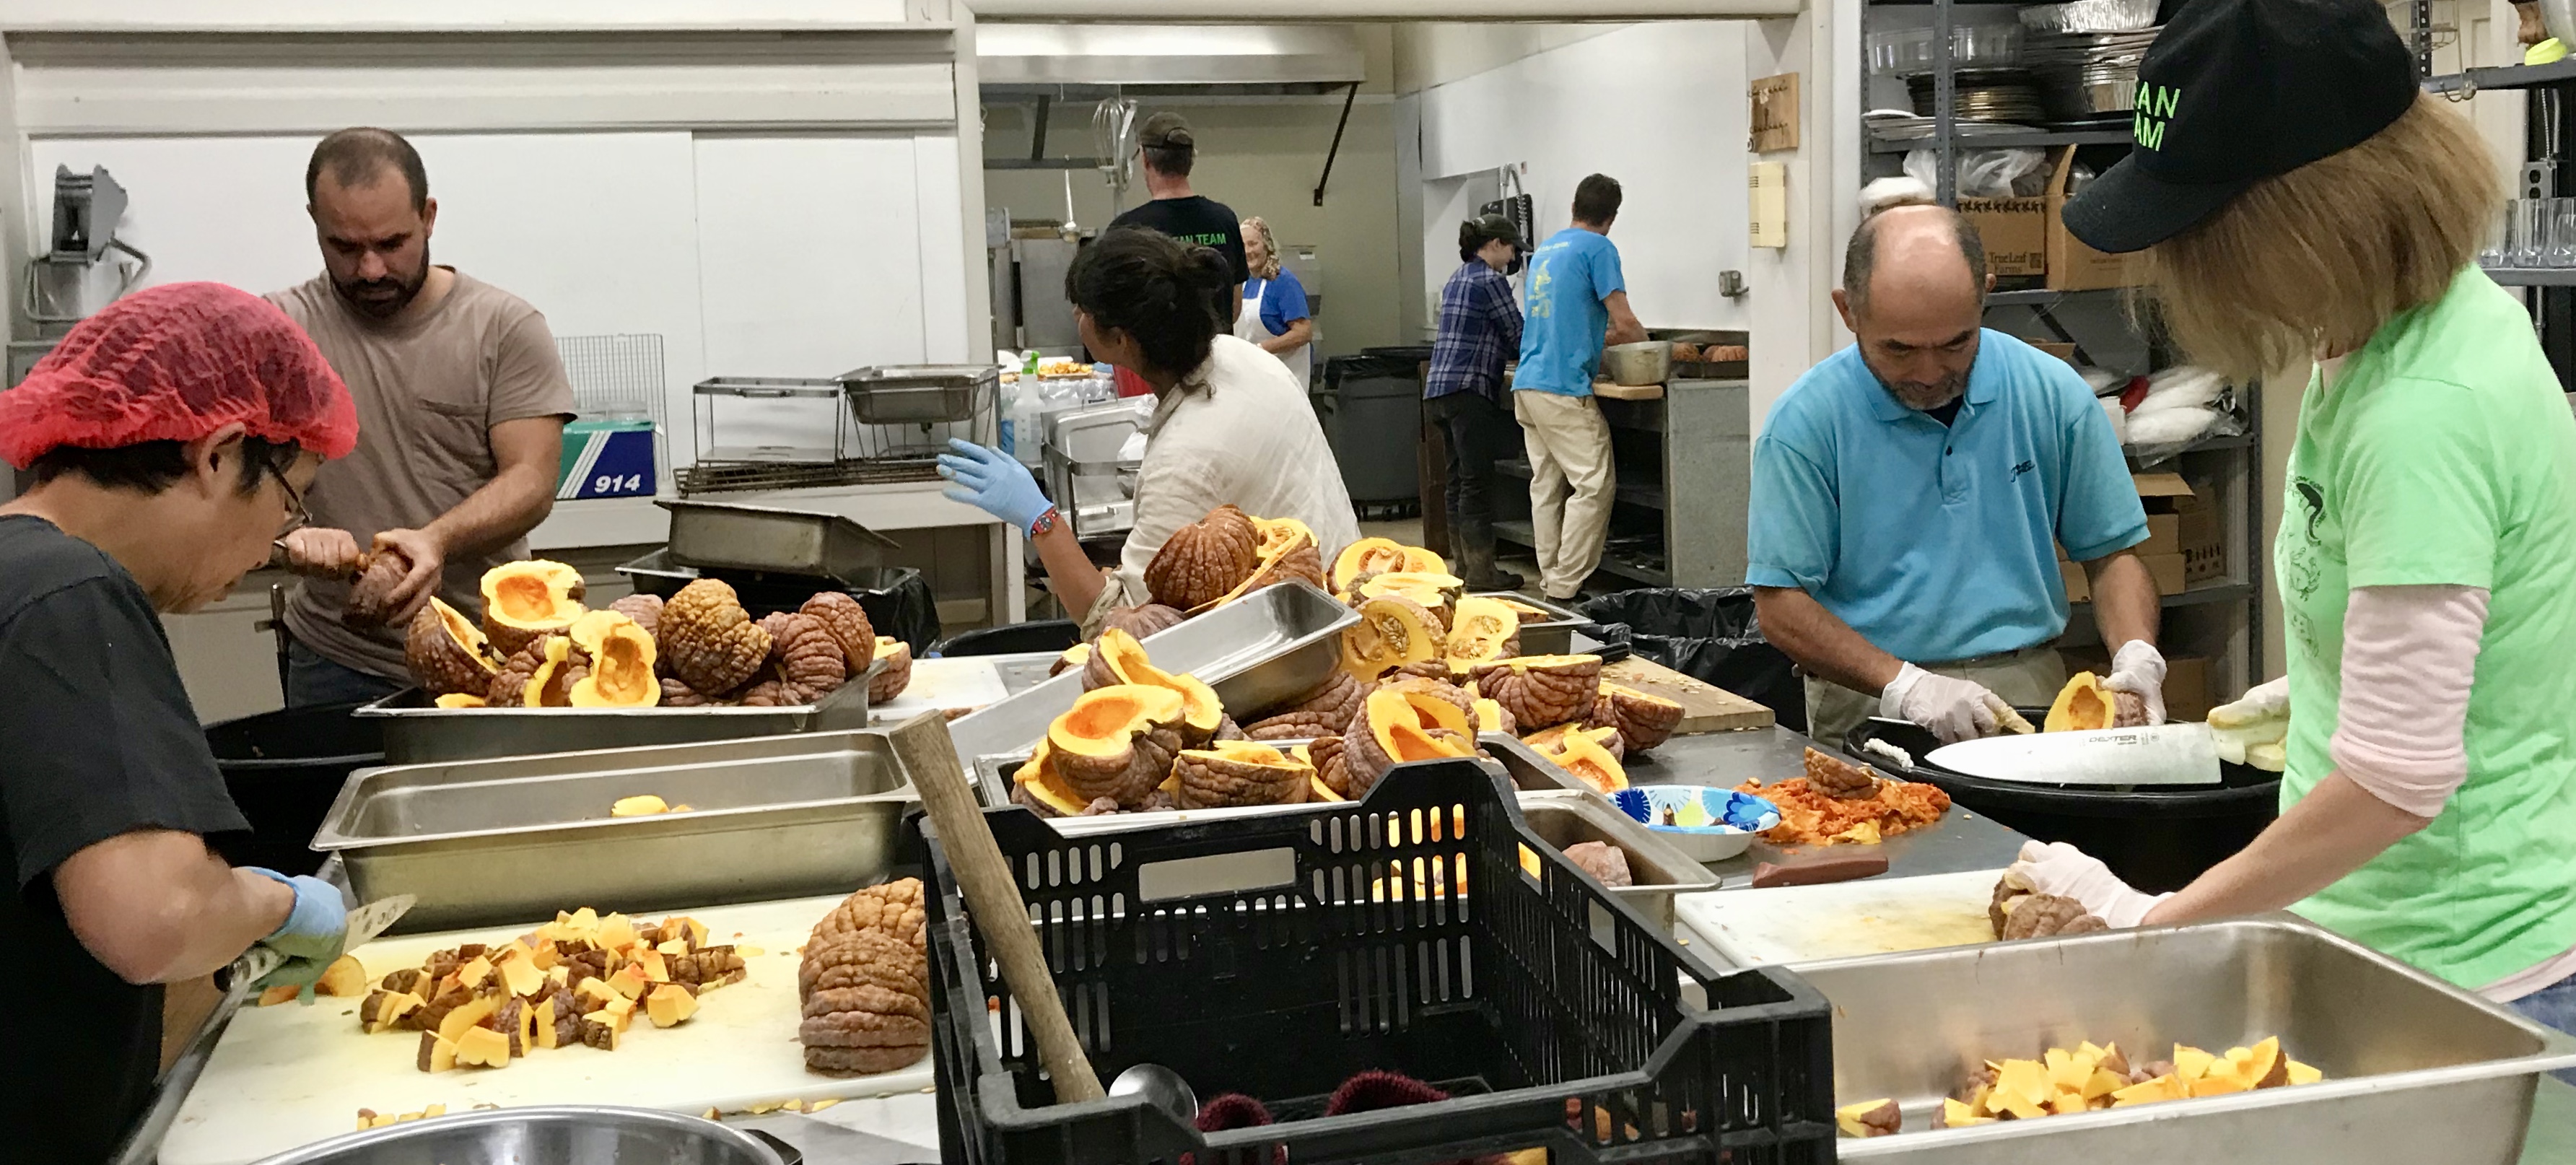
(2409, 655)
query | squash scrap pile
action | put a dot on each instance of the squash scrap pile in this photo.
(2089, 1078)
(865, 983)
(579, 980)
(537, 646)
(1840, 802)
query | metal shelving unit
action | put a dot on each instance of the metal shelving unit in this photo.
(2221, 619)
(2548, 171)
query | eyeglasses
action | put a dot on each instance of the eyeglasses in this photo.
(297, 517)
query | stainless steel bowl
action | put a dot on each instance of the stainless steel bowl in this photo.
(561, 1135)
(1644, 362)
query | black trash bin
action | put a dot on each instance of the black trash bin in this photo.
(2155, 839)
(897, 599)
(1013, 639)
(1370, 405)
(283, 770)
(1710, 635)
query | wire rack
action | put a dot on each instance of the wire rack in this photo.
(619, 378)
(788, 419)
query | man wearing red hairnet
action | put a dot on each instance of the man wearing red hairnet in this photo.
(170, 437)
(464, 401)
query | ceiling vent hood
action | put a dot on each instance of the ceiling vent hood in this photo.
(1067, 60)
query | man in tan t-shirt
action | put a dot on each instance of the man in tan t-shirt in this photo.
(461, 406)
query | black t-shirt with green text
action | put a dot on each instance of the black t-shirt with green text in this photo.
(98, 739)
(1197, 220)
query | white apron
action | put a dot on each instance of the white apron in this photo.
(1248, 326)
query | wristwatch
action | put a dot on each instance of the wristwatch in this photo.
(1045, 523)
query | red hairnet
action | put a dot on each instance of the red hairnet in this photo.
(174, 363)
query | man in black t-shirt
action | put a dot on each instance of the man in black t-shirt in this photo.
(1165, 150)
(171, 437)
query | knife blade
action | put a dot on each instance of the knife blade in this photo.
(2168, 754)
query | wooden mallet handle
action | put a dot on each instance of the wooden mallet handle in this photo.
(923, 747)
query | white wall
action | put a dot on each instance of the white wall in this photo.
(1661, 107)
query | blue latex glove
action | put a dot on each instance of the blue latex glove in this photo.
(312, 934)
(994, 482)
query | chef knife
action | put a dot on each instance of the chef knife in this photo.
(2168, 754)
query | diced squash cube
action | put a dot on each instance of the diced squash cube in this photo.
(670, 1005)
(437, 1053)
(463, 1019)
(519, 973)
(2191, 1063)
(1955, 1115)
(2102, 1084)
(616, 932)
(483, 1047)
(656, 968)
(2303, 1074)
(543, 1016)
(474, 972)
(630, 981)
(2217, 1084)
(2066, 1103)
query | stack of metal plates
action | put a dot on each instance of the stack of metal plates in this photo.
(1985, 95)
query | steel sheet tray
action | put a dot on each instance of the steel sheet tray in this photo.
(1259, 651)
(919, 393)
(1572, 818)
(2416, 1069)
(490, 842)
(418, 731)
(1555, 636)
(803, 542)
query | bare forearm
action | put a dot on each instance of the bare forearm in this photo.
(1076, 582)
(2331, 832)
(1295, 337)
(155, 907)
(500, 513)
(1826, 646)
(2125, 604)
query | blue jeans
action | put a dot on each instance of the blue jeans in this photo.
(314, 681)
(2553, 1006)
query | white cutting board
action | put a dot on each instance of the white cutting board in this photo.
(943, 684)
(1873, 916)
(290, 1075)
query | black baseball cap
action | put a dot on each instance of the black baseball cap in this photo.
(1492, 226)
(2235, 91)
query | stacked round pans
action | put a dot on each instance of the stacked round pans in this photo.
(2087, 76)
(1985, 95)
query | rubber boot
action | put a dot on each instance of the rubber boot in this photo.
(1474, 542)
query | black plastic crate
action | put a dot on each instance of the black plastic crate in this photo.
(1550, 1011)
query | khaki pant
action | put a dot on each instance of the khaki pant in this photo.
(1570, 485)
(2029, 678)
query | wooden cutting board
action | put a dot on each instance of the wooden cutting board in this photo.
(289, 1075)
(1616, 391)
(1705, 707)
(1795, 924)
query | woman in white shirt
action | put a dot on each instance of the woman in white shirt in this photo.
(1275, 314)
(1231, 425)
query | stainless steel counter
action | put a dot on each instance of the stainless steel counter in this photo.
(1962, 841)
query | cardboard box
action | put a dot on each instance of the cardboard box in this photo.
(2164, 536)
(2062, 351)
(606, 459)
(2027, 236)
(2201, 539)
(2015, 232)
(2168, 572)
(2072, 266)
(2078, 587)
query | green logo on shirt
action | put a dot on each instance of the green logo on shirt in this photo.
(2155, 106)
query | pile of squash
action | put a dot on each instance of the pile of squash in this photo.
(538, 646)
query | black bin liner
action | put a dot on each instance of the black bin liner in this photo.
(283, 769)
(897, 598)
(1014, 639)
(1710, 635)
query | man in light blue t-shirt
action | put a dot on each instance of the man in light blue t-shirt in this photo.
(1909, 494)
(1577, 302)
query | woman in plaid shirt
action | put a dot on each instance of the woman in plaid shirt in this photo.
(1480, 328)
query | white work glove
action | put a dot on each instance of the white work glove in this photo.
(1953, 709)
(2251, 730)
(2054, 867)
(2139, 669)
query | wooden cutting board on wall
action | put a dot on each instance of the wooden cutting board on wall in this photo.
(1705, 706)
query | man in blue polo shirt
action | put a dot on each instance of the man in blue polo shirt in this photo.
(1907, 493)
(1578, 303)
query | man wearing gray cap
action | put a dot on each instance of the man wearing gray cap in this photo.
(1167, 149)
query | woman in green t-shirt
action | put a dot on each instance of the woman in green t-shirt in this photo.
(2300, 200)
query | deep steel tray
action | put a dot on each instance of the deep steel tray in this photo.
(494, 841)
(418, 731)
(919, 393)
(1259, 651)
(1553, 637)
(740, 537)
(2416, 1069)
(1572, 818)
